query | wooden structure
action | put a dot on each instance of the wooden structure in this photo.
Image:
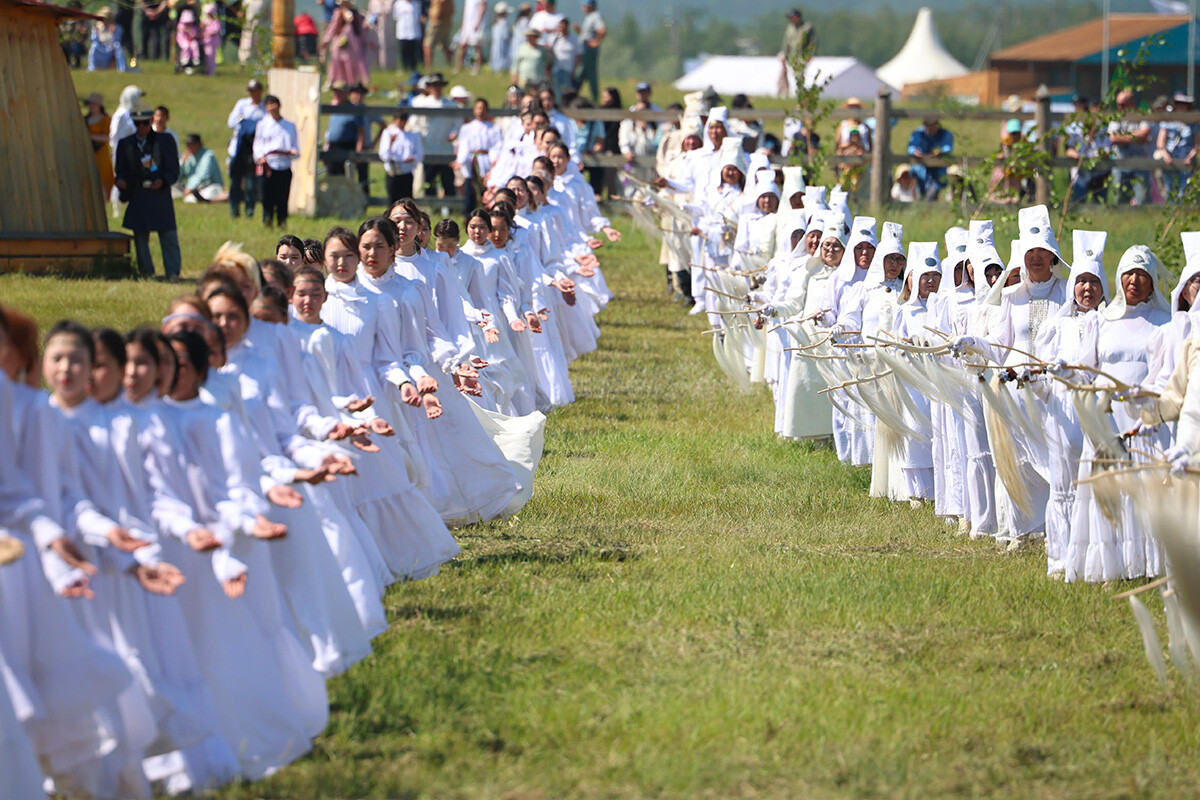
(52, 212)
(1070, 61)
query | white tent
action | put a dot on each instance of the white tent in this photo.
(758, 76)
(923, 57)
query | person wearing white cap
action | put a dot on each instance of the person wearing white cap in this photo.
(754, 242)
(806, 413)
(717, 224)
(924, 278)
(1166, 346)
(1101, 549)
(1065, 335)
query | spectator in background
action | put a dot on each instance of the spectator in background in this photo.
(306, 37)
(400, 151)
(797, 37)
(591, 33)
(904, 185)
(106, 49)
(156, 29)
(799, 137)
(438, 18)
(470, 35)
(1176, 144)
(408, 33)
(545, 20)
(243, 121)
(519, 27)
(344, 46)
(930, 140)
(162, 116)
(530, 66)
(379, 20)
(275, 145)
(199, 174)
(850, 175)
(210, 36)
(845, 126)
(500, 53)
(563, 48)
(1088, 182)
(1130, 140)
(438, 135)
(479, 143)
(98, 124)
(147, 166)
(638, 138)
(605, 177)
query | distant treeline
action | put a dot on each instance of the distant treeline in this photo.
(658, 51)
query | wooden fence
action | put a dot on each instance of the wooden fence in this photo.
(881, 159)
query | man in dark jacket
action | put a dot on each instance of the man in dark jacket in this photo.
(147, 164)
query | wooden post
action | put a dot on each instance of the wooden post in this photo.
(1041, 122)
(881, 150)
(283, 41)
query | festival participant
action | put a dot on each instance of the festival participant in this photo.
(63, 675)
(851, 436)
(806, 413)
(275, 145)
(1065, 335)
(478, 147)
(290, 250)
(1118, 544)
(480, 481)
(922, 282)
(869, 307)
(495, 287)
(271, 701)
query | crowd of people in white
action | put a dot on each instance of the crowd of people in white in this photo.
(997, 389)
(198, 521)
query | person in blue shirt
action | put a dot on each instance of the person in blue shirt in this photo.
(199, 175)
(930, 140)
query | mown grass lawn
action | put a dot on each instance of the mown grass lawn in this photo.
(691, 608)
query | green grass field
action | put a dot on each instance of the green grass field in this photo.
(689, 607)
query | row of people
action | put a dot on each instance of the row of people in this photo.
(990, 387)
(202, 517)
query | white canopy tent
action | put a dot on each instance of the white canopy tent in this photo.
(923, 57)
(758, 76)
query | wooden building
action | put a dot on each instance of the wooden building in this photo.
(52, 213)
(1069, 61)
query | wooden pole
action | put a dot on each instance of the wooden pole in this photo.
(881, 150)
(1041, 121)
(283, 42)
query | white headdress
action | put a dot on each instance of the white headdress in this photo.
(891, 242)
(793, 181)
(1191, 265)
(732, 154)
(1088, 249)
(1034, 223)
(922, 260)
(1137, 257)
(862, 229)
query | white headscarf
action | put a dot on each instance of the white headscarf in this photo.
(839, 201)
(890, 243)
(1137, 257)
(793, 181)
(982, 252)
(922, 260)
(1088, 249)
(862, 229)
(131, 99)
(814, 199)
(719, 114)
(732, 154)
(956, 253)
(816, 222)
(1016, 263)
(1191, 266)
(1034, 223)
